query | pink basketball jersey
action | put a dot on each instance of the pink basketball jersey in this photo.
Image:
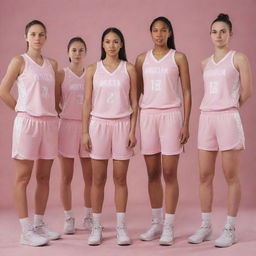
(36, 88)
(72, 95)
(161, 82)
(110, 97)
(221, 84)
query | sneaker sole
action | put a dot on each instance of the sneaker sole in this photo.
(69, 233)
(125, 243)
(24, 242)
(95, 244)
(219, 246)
(151, 238)
(166, 243)
(208, 238)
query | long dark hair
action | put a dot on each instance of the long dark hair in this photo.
(170, 41)
(223, 18)
(30, 24)
(76, 39)
(121, 54)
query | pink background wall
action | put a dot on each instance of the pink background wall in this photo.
(191, 19)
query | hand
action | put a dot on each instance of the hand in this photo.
(184, 134)
(131, 140)
(86, 140)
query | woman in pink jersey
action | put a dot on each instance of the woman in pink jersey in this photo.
(35, 129)
(163, 129)
(227, 86)
(109, 119)
(71, 88)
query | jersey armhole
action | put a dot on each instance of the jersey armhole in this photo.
(25, 66)
(173, 57)
(232, 61)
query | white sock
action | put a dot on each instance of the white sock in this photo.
(120, 219)
(157, 214)
(38, 220)
(96, 219)
(206, 218)
(169, 219)
(87, 212)
(25, 224)
(231, 221)
(69, 214)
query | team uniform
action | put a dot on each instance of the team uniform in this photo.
(220, 126)
(160, 116)
(110, 116)
(70, 131)
(35, 132)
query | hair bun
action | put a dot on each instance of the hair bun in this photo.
(223, 16)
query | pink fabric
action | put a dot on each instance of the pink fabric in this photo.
(72, 92)
(221, 84)
(220, 130)
(109, 138)
(70, 139)
(160, 131)
(160, 78)
(35, 137)
(36, 87)
(110, 97)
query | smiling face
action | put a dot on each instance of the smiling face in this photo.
(220, 34)
(160, 33)
(36, 37)
(76, 52)
(112, 44)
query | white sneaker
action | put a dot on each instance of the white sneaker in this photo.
(32, 239)
(167, 235)
(204, 233)
(44, 231)
(95, 237)
(227, 238)
(122, 236)
(69, 226)
(154, 232)
(87, 223)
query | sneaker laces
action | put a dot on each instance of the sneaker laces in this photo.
(152, 228)
(202, 229)
(122, 230)
(95, 230)
(167, 230)
(70, 220)
(228, 232)
(87, 221)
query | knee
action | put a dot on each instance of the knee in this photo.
(120, 180)
(99, 181)
(170, 175)
(232, 178)
(66, 180)
(154, 175)
(43, 180)
(22, 180)
(206, 178)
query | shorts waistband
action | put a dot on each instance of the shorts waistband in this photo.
(220, 112)
(110, 120)
(70, 120)
(26, 115)
(159, 110)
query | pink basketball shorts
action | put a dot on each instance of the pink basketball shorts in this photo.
(35, 137)
(160, 131)
(70, 139)
(109, 138)
(220, 130)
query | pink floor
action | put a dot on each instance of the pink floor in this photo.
(138, 219)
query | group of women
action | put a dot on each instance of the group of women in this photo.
(98, 110)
